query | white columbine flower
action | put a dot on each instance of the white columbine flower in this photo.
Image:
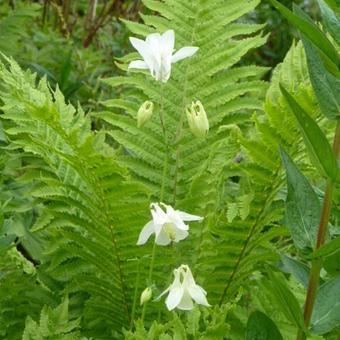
(156, 52)
(166, 225)
(184, 290)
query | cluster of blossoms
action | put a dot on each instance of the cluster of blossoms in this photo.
(157, 53)
(167, 224)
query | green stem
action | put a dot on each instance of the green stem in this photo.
(179, 129)
(150, 276)
(161, 195)
(135, 296)
(314, 276)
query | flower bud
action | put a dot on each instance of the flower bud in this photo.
(144, 113)
(197, 119)
(146, 295)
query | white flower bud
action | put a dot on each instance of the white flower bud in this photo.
(146, 295)
(197, 119)
(144, 113)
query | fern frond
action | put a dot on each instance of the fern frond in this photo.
(11, 26)
(196, 174)
(209, 76)
(22, 293)
(262, 165)
(90, 202)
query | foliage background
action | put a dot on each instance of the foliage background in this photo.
(53, 38)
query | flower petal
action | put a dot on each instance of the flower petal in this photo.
(175, 219)
(167, 47)
(180, 234)
(140, 64)
(174, 297)
(198, 294)
(162, 239)
(175, 283)
(144, 50)
(168, 42)
(186, 302)
(165, 70)
(158, 215)
(188, 217)
(154, 43)
(146, 232)
(184, 52)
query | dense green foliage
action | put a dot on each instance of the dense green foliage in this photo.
(78, 175)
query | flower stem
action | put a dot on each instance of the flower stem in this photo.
(150, 276)
(165, 163)
(135, 295)
(314, 276)
(161, 194)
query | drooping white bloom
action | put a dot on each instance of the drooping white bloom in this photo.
(167, 225)
(156, 52)
(184, 290)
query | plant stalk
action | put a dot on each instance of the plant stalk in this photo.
(314, 276)
(161, 195)
(97, 24)
(150, 276)
(135, 297)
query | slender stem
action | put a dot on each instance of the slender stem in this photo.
(45, 11)
(150, 276)
(135, 295)
(91, 13)
(314, 276)
(165, 163)
(179, 130)
(60, 14)
(161, 195)
(105, 14)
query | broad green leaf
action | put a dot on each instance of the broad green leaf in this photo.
(326, 86)
(302, 207)
(329, 248)
(332, 264)
(329, 64)
(326, 312)
(330, 20)
(284, 299)
(299, 270)
(261, 327)
(19, 226)
(312, 32)
(316, 142)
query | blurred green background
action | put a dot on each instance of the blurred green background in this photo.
(75, 42)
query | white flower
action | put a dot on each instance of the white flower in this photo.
(166, 225)
(184, 290)
(156, 52)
